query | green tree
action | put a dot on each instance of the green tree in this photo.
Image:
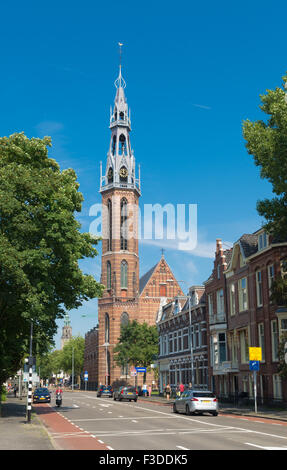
(282, 353)
(40, 247)
(138, 344)
(267, 142)
(73, 348)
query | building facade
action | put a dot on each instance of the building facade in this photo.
(251, 320)
(183, 341)
(91, 359)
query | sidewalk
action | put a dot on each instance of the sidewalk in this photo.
(16, 433)
(227, 408)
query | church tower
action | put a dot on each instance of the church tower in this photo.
(66, 331)
(120, 190)
(126, 297)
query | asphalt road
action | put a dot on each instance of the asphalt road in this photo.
(146, 426)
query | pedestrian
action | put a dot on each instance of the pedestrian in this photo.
(181, 388)
(15, 388)
(149, 390)
(167, 391)
(177, 390)
(190, 385)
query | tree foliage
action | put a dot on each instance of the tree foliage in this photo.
(40, 246)
(267, 142)
(73, 348)
(138, 344)
(282, 369)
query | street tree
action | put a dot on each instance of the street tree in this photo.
(71, 355)
(266, 140)
(40, 248)
(137, 344)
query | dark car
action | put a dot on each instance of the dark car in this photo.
(126, 393)
(105, 391)
(41, 395)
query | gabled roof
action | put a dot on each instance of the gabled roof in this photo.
(249, 243)
(146, 277)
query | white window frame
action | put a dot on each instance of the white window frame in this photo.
(220, 302)
(261, 339)
(243, 294)
(271, 276)
(259, 288)
(274, 340)
(232, 299)
(277, 387)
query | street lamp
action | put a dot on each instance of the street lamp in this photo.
(106, 345)
(190, 334)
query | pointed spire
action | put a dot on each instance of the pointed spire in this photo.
(120, 82)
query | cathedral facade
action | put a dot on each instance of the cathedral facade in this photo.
(126, 297)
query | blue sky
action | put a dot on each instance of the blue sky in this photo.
(194, 72)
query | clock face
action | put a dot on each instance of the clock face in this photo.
(123, 172)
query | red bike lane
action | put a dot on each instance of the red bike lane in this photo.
(66, 435)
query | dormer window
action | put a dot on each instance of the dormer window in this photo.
(262, 241)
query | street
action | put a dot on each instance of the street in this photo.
(143, 425)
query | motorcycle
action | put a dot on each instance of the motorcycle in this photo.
(58, 399)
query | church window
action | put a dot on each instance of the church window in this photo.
(124, 274)
(122, 143)
(124, 221)
(122, 116)
(124, 319)
(109, 275)
(107, 328)
(110, 175)
(114, 145)
(110, 225)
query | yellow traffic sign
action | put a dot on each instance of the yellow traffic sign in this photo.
(255, 354)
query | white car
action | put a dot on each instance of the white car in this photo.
(196, 401)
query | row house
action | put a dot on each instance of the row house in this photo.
(241, 314)
(182, 337)
(91, 359)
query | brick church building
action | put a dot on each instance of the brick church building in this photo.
(126, 297)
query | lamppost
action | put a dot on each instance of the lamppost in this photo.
(73, 368)
(190, 334)
(106, 345)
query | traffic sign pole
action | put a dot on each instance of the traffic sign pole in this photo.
(255, 389)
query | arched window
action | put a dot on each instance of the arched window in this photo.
(124, 222)
(122, 140)
(110, 225)
(114, 145)
(124, 274)
(107, 328)
(124, 318)
(110, 175)
(109, 275)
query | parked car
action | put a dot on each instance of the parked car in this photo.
(105, 391)
(196, 401)
(41, 395)
(142, 392)
(126, 393)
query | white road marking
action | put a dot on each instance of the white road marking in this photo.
(265, 448)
